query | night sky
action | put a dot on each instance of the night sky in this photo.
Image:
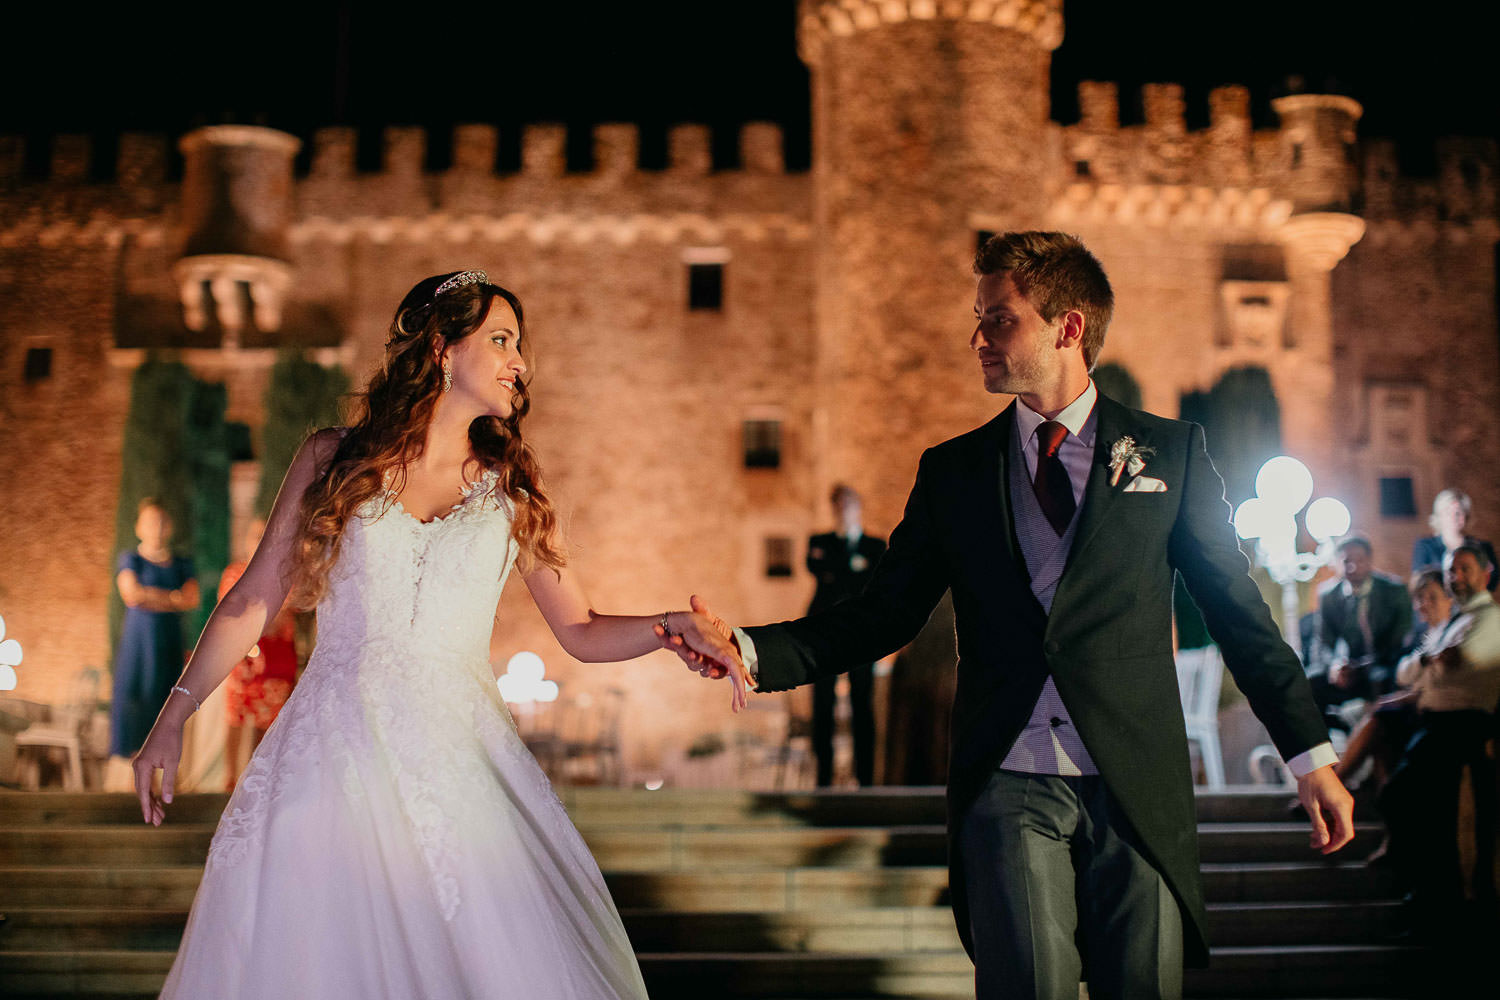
(299, 66)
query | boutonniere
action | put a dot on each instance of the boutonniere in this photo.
(1126, 456)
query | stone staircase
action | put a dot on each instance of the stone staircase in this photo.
(724, 893)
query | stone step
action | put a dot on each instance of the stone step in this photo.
(127, 888)
(1234, 972)
(1342, 971)
(887, 929)
(91, 974)
(666, 807)
(642, 849)
(1280, 882)
(127, 973)
(697, 891)
(91, 929)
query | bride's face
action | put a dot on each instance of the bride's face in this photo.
(487, 365)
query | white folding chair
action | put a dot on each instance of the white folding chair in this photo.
(67, 729)
(1199, 675)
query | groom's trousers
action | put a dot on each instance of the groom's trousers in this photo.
(1059, 892)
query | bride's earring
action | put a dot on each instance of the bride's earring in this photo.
(447, 375)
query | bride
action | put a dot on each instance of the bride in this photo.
(392, 837)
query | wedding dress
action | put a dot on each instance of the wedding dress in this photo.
(392, 837)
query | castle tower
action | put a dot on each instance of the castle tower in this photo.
(1318, 150)
(930, 123)
(1320, 178)
(236, 207)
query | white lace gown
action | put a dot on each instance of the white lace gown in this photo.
(392, 837)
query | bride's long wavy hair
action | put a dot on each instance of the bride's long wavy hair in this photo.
(391, 417)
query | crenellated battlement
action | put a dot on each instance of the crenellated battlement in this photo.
(143, 158)
(819, 20)
(64, 189)
(1314, 157)
(74, 190)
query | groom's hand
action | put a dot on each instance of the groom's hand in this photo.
(1320, 793)
(706, 644)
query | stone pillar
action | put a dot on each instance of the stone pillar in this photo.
(1314, 244)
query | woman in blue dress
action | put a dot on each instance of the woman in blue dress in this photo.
(156, 587)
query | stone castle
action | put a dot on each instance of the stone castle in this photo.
(715, 348)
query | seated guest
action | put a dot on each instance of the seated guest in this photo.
(1458, 680)
(1362, 622)
(1450, 522)
(1387, 725)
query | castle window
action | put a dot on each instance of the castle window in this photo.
(706, 286)
(1081, 168)
(1398, 498)
(1296, 155)
(778, 557)
(38, 364)
(762, 443)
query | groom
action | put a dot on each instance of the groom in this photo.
(1058, 527)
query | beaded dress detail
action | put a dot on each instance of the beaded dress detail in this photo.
(392, 837)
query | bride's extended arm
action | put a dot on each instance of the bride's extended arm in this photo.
(235, 626)
(587, 635)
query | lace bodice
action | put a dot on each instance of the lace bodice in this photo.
(418, 588)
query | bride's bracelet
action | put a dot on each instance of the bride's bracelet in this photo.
(178, 688)
(664, 626)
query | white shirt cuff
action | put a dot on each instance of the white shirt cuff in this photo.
(1309, 761)
(747, 653)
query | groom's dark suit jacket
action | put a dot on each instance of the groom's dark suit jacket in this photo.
(1108, 640)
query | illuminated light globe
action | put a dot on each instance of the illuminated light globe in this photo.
(10, 659)
(1327, 518)
(1250, 520)
(1284, 483)
(524, 680)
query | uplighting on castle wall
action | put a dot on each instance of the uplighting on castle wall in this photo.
(10, 659)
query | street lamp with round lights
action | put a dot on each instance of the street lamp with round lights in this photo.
(1282, 487)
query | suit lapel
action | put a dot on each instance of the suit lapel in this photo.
(1099, 496)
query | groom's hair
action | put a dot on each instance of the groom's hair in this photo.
(1056, 273)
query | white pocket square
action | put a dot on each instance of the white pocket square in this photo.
(1145, 484)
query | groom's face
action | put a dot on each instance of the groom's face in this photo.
(1016, 348)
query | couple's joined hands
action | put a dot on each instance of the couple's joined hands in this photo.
(706, 644)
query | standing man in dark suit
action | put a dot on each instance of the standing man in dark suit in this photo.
(1058, 527)
(1362, 622)
(843, 562)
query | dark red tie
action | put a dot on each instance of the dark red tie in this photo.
(1054, 490)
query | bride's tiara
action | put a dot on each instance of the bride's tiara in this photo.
(461, 279)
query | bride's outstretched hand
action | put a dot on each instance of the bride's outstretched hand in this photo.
(706, 644)
(162, 750)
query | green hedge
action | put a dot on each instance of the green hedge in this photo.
(302, 397)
